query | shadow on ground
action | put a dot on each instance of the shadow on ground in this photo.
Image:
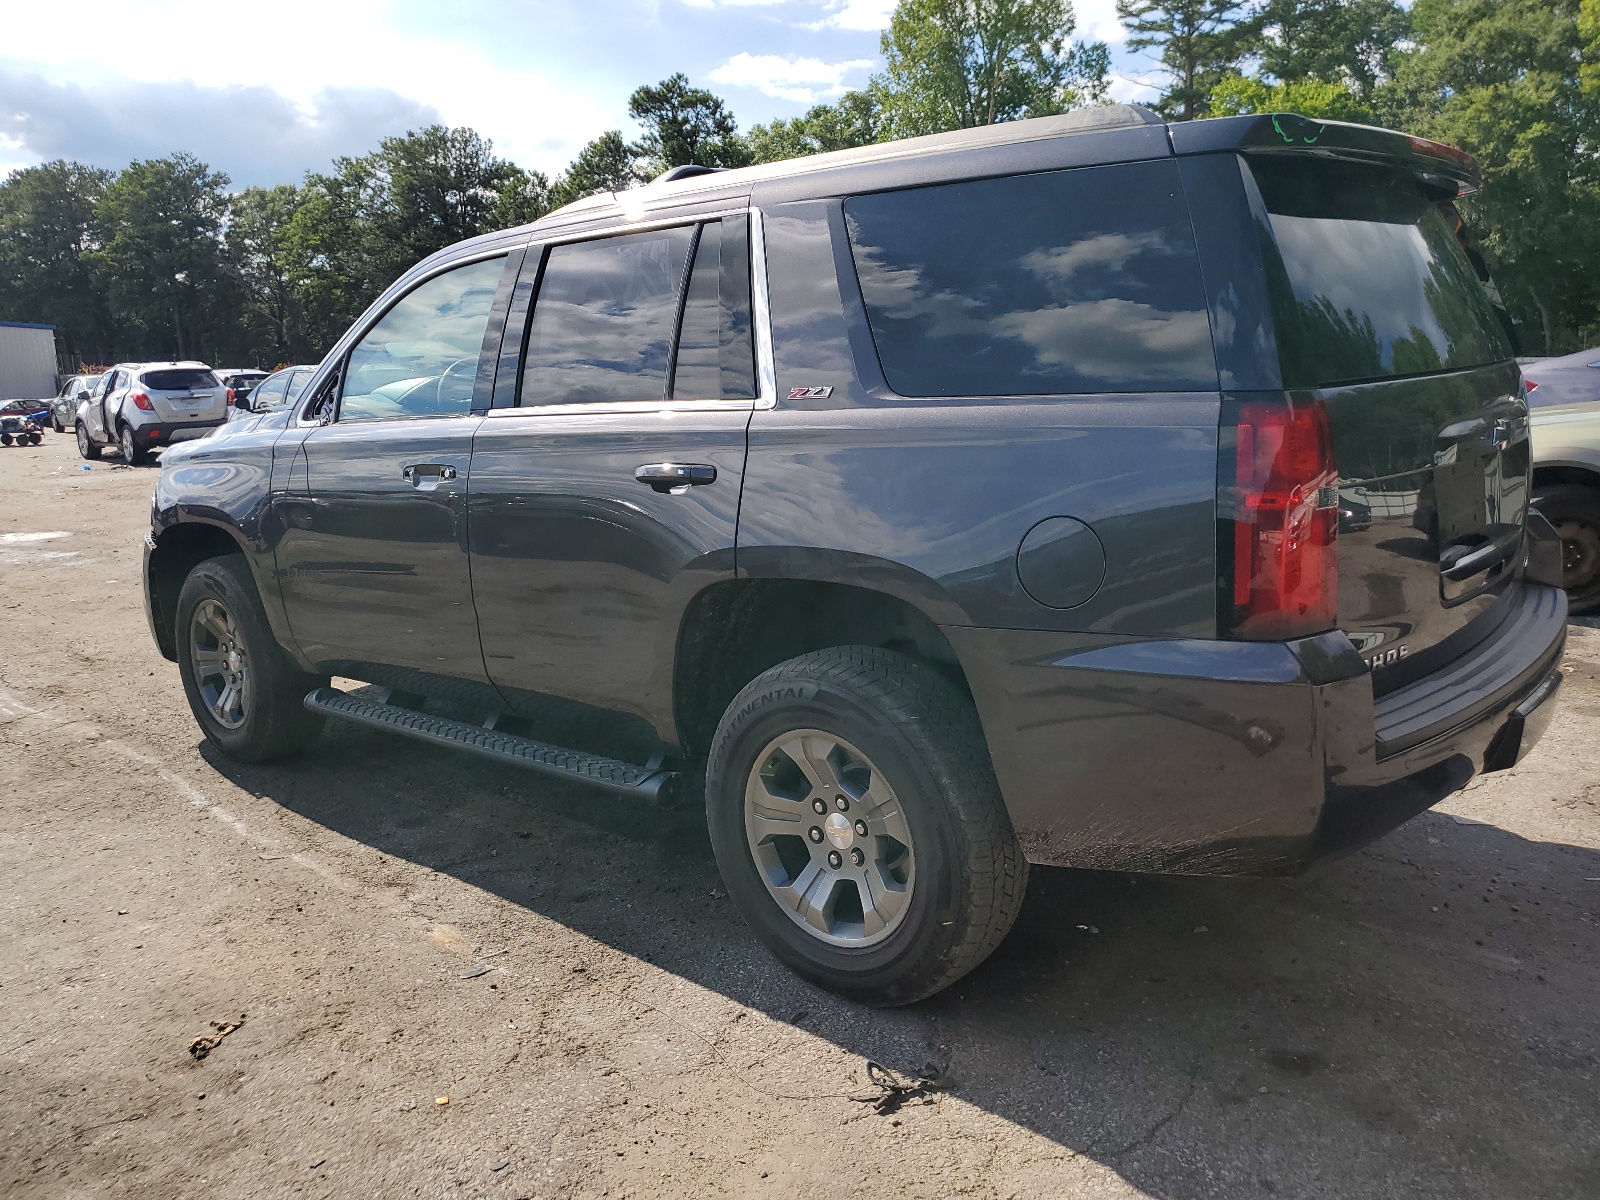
(1418, 1019)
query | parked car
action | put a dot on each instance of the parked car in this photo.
(22, 422)
(950, 504)
(1569, 379)
(64, 407)
(276, 390)
(241, 381)
(139, 407)
(1566, 489)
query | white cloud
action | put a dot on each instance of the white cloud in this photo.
(867, 16)
(537, 119)
(803, 80)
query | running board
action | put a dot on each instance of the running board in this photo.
(628, 779)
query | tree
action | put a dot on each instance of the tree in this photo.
(854, 120)
(1198, 42)
(441, 185)
(1236, 94)
(684, 125)
(1504, 80)
(1349, 42)
(260, 250)
(954, 64)
(524, 198)
(49, 234)
(163, 261)
(607, 164)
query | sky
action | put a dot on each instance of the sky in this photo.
(267, 91)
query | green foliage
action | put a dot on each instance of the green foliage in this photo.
(261, 252)
(49, 233)
(524, 198)
(1505, 80)
(164, 273)
(1198, 42)
(1348, 42)
(955, 64)
(685, 125)
(854, 120)
(607, 164)
(1236, 95)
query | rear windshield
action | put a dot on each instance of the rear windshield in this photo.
(1373, 282)
(1057, 283)
(178, 379)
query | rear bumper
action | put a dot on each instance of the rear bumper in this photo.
(1210, 757)
(157, 434)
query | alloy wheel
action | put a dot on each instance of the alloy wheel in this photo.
(221, 664)
(829, 838)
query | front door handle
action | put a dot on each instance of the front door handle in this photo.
(675, 478)
(428, 475)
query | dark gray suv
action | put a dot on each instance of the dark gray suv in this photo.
(1084, 490)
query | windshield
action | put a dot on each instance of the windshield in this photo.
(1372, 282)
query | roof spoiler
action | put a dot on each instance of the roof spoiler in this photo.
(1443, 168)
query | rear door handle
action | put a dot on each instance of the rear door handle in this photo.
(675, 478)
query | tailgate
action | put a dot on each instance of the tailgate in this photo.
(1381, 314)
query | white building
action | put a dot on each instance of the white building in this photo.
(27, 361)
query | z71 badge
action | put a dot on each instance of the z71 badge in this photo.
(810, 393)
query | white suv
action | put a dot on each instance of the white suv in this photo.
(140, 407)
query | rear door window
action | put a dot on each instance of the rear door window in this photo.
(1062, 282)
(604, 319)
(1369, 280)
(714, 359)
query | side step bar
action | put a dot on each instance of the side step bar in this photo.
(641, 783)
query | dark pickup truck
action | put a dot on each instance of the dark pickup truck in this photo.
(1084, 490)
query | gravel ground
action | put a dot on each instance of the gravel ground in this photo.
(393, 925)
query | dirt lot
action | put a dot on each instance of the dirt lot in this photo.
(1417, 1020)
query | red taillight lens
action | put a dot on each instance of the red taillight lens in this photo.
(231, 398)
(1529, 387)
(1285, 517)
(140, 401)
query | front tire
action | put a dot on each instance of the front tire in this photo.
(916, 875)
(1574, 510)
(246, 695)
(88, 448)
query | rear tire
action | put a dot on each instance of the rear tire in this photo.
(132, 453)
(87, 446)
(892, 748)
(1574, 510)
(245, 693)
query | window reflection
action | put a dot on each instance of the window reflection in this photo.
(603, 320)
(1372, 282)
(1061, 282)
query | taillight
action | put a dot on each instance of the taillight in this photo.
(231, 398)
(1529, 387)
(1285, 521)
(141, 401)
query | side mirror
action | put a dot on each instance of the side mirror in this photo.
(83, 394)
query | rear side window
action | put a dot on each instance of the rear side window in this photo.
(178, 379)
(1057, 283)
(714, 359)
(1370, 280)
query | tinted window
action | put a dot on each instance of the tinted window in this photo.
(715, 359)
(1373, 282)
(421, 359)
(178, 379)
(603, 320)
(298, 381)
(1062, 282)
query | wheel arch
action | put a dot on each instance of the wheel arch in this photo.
(1549, 473)
(734, 630)
(170, 556)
